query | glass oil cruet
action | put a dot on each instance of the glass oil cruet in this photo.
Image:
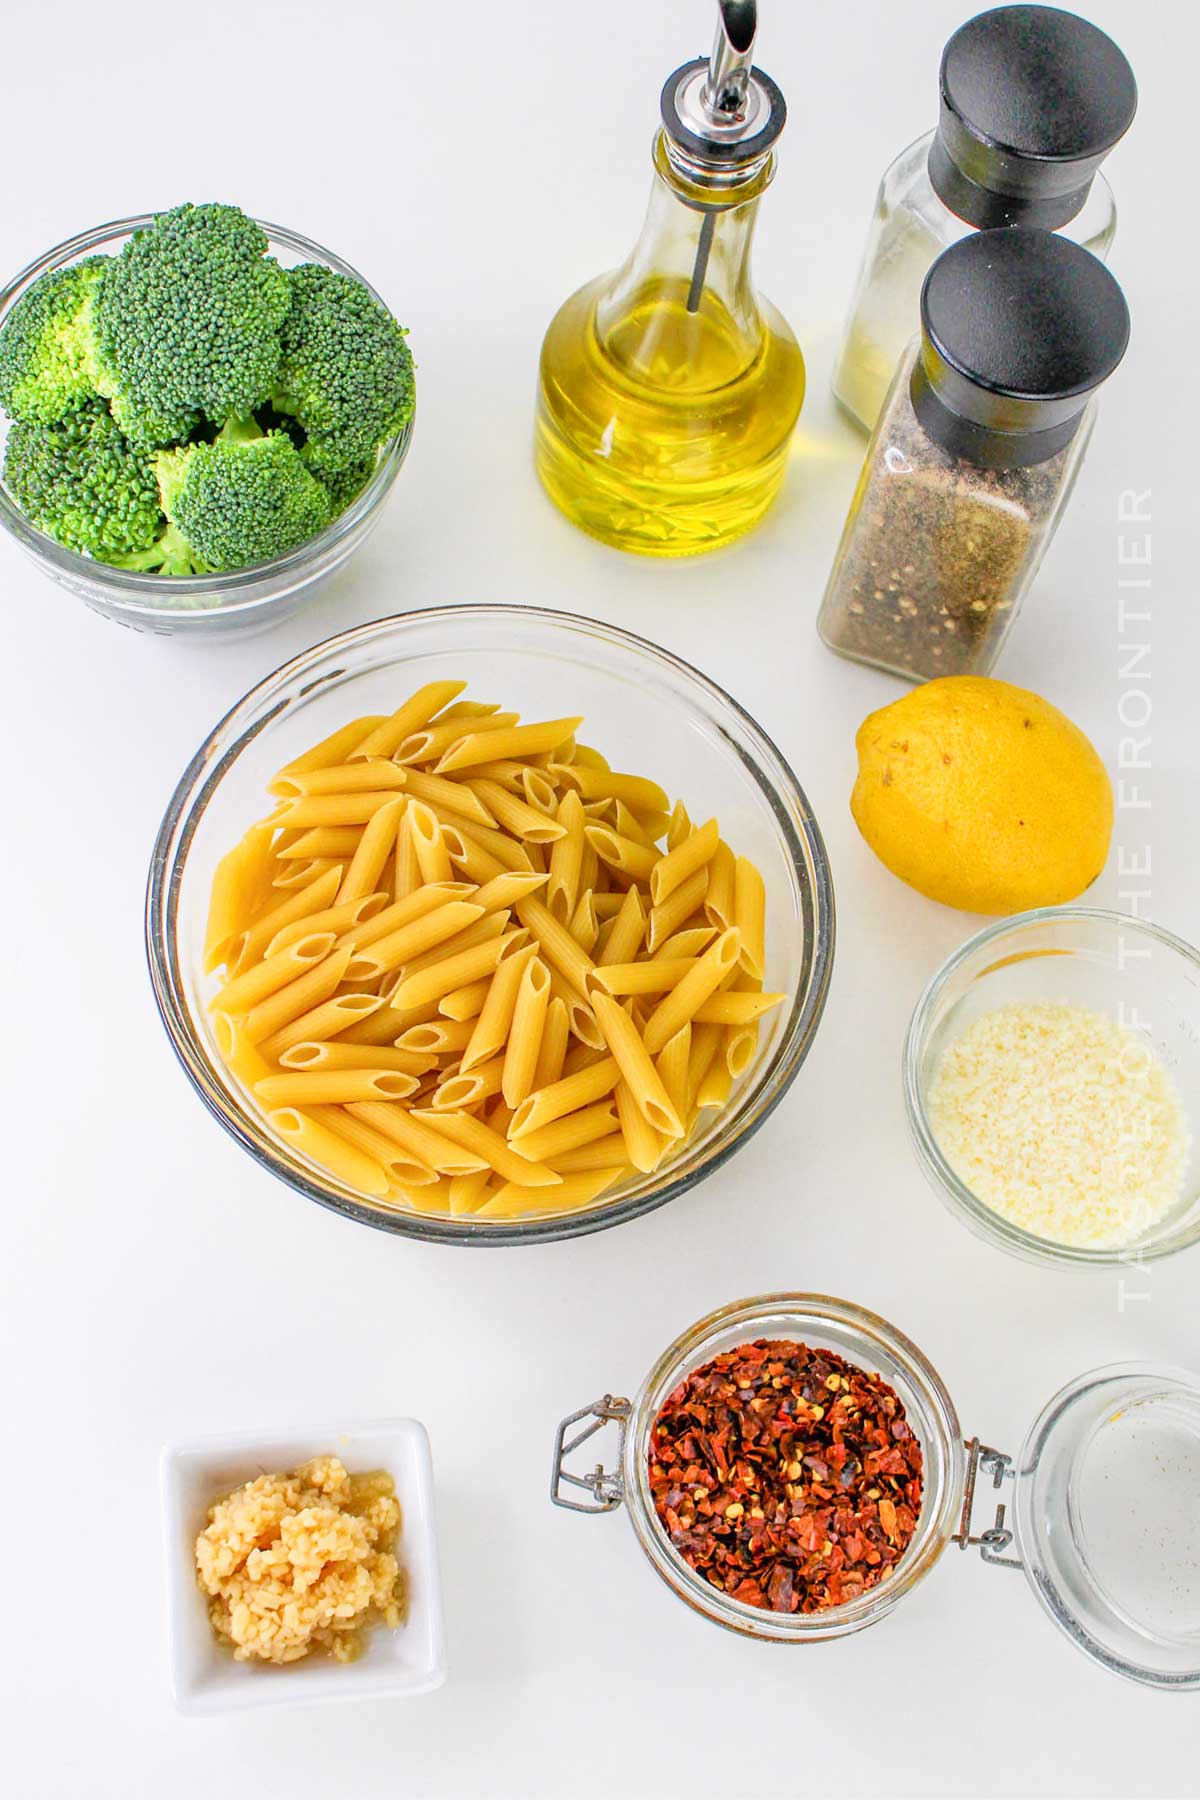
(669, 389)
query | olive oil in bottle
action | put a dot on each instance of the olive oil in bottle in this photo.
(669, 390)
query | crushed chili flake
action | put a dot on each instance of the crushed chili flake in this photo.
(787, 1477)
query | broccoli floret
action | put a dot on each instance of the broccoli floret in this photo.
(188, 319)
(347, 372)
(346, 485)
(82, 482)
(243, 499)
(48, 357)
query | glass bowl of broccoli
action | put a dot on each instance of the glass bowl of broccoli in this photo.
(201, 416)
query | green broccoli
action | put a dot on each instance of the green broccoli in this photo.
(82, 482)
(347, 372)
(48, 361)
(346, 485)
(242, 499)
(188, 320)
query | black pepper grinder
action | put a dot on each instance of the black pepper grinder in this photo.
(975, 453)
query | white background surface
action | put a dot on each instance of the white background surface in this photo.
(478, 162)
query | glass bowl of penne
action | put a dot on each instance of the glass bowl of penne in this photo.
(488, 924)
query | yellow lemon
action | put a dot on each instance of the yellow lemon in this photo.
(982, 796)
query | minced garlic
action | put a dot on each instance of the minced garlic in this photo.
(302, 1562)
(1063, 1121)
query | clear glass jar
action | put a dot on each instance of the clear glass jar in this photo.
(1128, 969)
(1120, 1444)
(938, 553)
(910, 227)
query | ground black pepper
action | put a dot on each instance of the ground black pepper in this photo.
(936, 553)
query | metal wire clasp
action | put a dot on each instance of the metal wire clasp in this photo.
(997, 1537)
(604, 1486)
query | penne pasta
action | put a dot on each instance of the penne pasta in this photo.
(411, 940)
(424, 705)
(694, 852)
(433, 859)
(406, 873)
(512, 1199)
(605, 1153)
(584, 926)
(431, 1149)
(481, 1140)
(465, 1003)
(313, 896)
(313, 1055)
(324, 843)
(374, 848)
(317, 984)
(343, 1160)
(672, 1065)
(241, 880)
(496, 1015)
(428, 745)
(635, 791)
(622, 853)
(342, 778)
(453, 797)
(566, 858)
(504, 890)
(448, 973)
(558, 946)
(395, 1163)
(656, 976)
(325, 1087)
(335, 809)
(467, 968)
(718, 901)
(666, 920)
(338, 747)
(511, 740)
(584, 1126)
(736, 1008)
(632, 1056)
(516, 815)
(644, 1147)
(322, 1022)
(628, 933)
(565, 1096)
(552, 1049)
(467, 1091)
(341, 918)
(402, 912)
(522, 1051)
(244, 992)
(749, 911)
(704, 978)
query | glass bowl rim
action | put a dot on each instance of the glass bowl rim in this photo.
(135, 592)
(954, 1193)
(200, 781)
(936, 1523)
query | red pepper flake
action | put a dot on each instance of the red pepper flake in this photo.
(787, 1477)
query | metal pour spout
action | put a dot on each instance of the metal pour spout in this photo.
(724, 93)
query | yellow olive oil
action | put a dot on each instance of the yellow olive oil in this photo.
(662, 430)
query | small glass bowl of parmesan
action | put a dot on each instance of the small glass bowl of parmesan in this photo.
(1052, 1086)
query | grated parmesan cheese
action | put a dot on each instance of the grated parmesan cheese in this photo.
(1063, 1121)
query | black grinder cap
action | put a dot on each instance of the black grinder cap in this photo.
(1032, 101)
(1019, 328)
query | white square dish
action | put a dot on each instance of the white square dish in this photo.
(204, 1676)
